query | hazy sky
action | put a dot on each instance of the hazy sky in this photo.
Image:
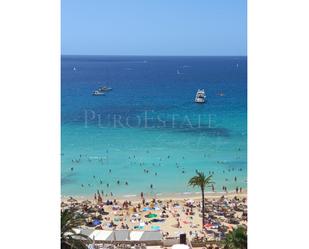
(154, 27)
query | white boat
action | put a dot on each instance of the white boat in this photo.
(97, 93)
(200, 96)
(104, 89)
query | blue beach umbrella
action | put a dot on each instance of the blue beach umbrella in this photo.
(96, 222)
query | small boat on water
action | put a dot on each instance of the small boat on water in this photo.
(97, 93)
(105, 89)
(200, 96)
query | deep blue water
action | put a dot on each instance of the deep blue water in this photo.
(149, 121)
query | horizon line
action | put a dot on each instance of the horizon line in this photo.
(154, 55)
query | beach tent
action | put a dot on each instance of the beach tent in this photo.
(121, 235)
(151, 235)
(87, 232)
(101, 235)
(136, 235)
(180, 246)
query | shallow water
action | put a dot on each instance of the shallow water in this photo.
(150, 122)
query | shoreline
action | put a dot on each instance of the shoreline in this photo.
(160, 196)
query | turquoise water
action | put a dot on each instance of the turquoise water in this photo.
(148, 130)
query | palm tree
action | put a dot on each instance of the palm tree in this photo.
(69, 238)
(200, 180)
(236, 239)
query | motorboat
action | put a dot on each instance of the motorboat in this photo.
(97, 93)
(104, 89)
(200, 96)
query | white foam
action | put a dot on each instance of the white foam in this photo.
(129, 195)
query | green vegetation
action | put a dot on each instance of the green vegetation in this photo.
(200, 180)
(69, 238)
(236, 239)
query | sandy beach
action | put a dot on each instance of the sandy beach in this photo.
(172, 215)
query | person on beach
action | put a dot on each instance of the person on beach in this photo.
(212, 188)
(236, 190)
(142, 195)
(72, 169)
(110, 171)
(235, 179)
(151, 186)
(126, 183)
(107, 184)
(240, 189)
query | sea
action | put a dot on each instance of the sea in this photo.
(147, 134)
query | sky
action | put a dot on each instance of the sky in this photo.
(154, 27)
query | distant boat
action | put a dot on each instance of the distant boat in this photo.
(200, 96)
(105, 89)
(221, 94)
(97, 93)
(237, 65)
(74, 68)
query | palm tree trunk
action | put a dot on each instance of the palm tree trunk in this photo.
(203, 208)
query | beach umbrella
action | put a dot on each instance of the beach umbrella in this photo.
(96, 222)
(151, 215)
(155, 228)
